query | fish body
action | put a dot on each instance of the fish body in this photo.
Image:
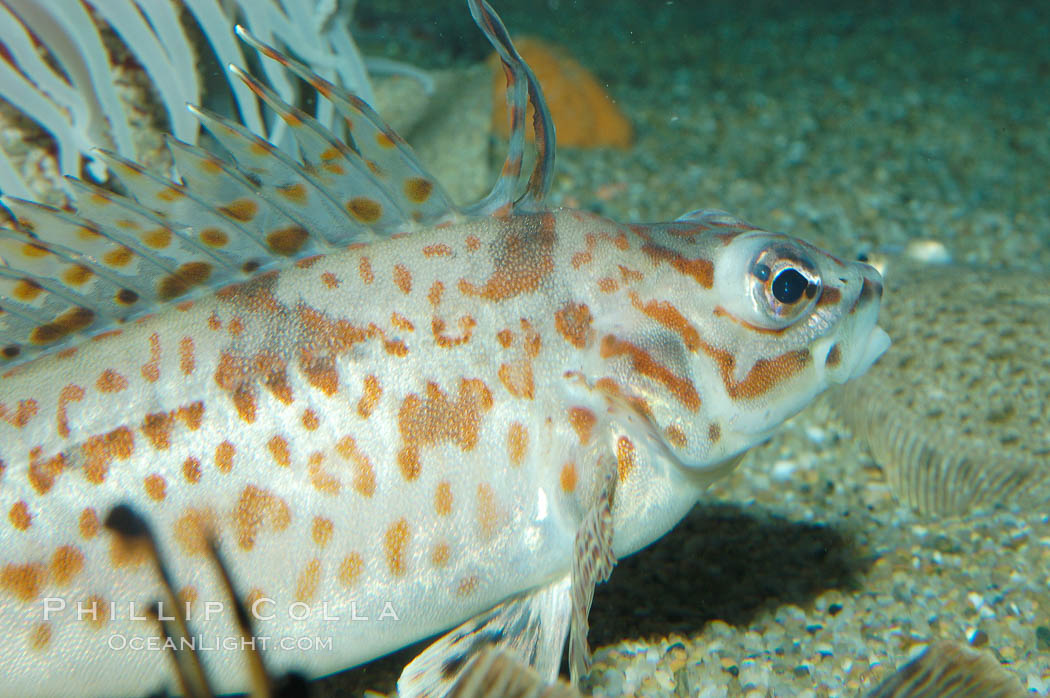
(391, 436)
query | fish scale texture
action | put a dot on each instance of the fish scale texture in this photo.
(411, 426)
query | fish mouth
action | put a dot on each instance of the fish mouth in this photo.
(865, 339)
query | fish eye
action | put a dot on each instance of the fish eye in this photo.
(789, 286)
(784, 283)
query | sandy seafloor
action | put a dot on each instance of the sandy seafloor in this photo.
(857, 129)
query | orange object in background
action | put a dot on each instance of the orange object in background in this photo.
(584, 115)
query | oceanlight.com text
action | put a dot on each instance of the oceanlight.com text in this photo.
(212, 643)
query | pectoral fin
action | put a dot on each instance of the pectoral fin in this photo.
(531, 626)
(592, 563)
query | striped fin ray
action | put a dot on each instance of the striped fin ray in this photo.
(388, 157)
(283, 182)
(61, 271)
(174, 202)
(235, 197)
(335, 165)
(65, 276)
(519, 76)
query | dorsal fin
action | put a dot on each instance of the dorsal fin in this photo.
(65, 276)
(522, 89)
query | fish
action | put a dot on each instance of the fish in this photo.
(953, 414)
(394, 414)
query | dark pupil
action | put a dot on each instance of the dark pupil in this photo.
(789, 286)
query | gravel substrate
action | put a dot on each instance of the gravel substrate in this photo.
(799, 575)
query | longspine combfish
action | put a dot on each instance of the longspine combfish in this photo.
(396, 415)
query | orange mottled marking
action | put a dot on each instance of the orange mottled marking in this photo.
(296, 193)
(403, 278)
(40, 636)
(187, 361)
(243, 210)
(714, 433)
(700, 270)
(625, 457)
(443, 498)
(95, 611)
(434, 294)
(310, 420)
(681, 388)
(440, 554)
(364, 473)
(434, 419)
(573, 322)
(418, 189)
(438, 250)
(523, 259)
(468, 585)
(629, 276)
(66, 563)
(27, 409)
(158, 238)
(488, 511)
(151, 369)
(517, 443)
(235, 327)
(224, 456)
(232, 377)
(43, 471)
(473, 243)
(88, 523)
(395, 546)
(321, 530)
(372, 392)
(214, 237)
(676, 435)
(329, 280)
(68, 394)
(100, 451)
(278, 446)
(568, 478)
(26, 290)
(156, 487)
(109, 381)
(77, 275)
(364, 270)
(118, 257)
(23, 581)
(191, 470)
(764, 375)
(214, 323)
(191, 415)
(19, 515)
(445, 341)
(157, 429)
(364, 209)
(401, 322)
(350, 569)
(834, 356)
(308, 581)
(192, 530)
(582, 421)
(320, 479)
(254, 507)
(670, 317)
(517, 378)
(505, 337)
(531, 340)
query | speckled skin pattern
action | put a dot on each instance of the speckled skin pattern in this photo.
(412, 425)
